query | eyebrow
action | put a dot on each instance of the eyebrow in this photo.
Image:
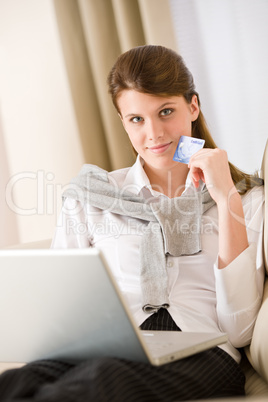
(160, 107)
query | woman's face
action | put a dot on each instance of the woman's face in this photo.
(155, 124)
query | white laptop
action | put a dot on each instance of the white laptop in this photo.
(65, 304)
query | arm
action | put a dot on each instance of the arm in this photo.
(211, 166)
(232, 229)
(239, 286)
(239, 289)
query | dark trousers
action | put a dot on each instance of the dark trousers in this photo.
(208, 374)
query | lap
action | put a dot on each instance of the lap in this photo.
(208, 374)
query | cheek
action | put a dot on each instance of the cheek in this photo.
(136, 136)
(134, 139)
(185, 127)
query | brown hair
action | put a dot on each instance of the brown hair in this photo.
(159, 71)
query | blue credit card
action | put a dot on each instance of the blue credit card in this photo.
(186, 147)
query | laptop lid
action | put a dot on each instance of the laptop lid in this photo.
(65, 304)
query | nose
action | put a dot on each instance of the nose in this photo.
(154, 130)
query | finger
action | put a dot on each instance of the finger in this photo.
(196, 175)
(199, 155)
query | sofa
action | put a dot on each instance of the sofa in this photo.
(255, 356)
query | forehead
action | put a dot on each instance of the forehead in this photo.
(132, 101)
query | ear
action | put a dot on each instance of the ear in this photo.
(194, 107)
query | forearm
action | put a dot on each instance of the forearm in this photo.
(233, 238)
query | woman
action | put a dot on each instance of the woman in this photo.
(215, 285)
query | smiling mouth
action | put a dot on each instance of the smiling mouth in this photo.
(158, 149)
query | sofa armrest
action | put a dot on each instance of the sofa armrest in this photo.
(257, 351)
(40, 244)
(9, 366)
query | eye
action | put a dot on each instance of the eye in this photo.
(136, 119)
(166, 112)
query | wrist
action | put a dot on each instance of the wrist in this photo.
(229, 198)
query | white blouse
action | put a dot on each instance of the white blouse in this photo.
(202, 297)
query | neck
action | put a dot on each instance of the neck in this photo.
(170, 182)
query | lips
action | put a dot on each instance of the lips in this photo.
(158, 149)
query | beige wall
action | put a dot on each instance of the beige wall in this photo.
(55, 112)
(36, 119)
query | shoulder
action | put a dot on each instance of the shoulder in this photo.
(89, 169)
(115, 176)
(254, 195)
(253, 206)
(119, 175)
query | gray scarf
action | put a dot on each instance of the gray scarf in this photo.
(173, 226)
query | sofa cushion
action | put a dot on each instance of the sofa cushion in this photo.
(265, 177)
(257, 352)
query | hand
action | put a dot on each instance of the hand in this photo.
(211, 166)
